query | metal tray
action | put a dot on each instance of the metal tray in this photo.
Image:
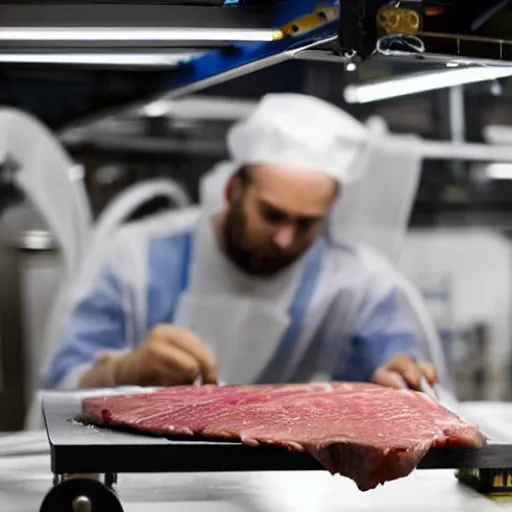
(77, 448)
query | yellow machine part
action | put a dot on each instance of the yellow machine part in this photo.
(494, 484)
(397, 20)
(391, 19)
(310, 21)
(502, 480)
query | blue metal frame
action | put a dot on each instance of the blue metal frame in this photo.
(216, 62)
(220, 61)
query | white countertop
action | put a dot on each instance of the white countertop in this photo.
(26, 477)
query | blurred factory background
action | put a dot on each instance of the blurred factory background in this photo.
(459, 246)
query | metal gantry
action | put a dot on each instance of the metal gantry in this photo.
(72, 59)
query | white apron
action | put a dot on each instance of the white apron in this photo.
(241, 319)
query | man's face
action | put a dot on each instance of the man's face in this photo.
(275, 216)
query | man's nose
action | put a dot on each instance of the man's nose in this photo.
(284, 237)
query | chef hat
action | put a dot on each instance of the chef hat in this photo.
(295, 130)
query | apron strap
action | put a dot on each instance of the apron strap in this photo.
(297, 311)
(182, 270)
(186, 261)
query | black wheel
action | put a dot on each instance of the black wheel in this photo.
(81, 495)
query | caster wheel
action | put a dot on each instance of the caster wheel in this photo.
(81, 495)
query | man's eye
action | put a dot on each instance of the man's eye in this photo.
(274, 217)
(306, 224)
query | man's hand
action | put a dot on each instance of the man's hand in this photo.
(168, 356)
(403, 368)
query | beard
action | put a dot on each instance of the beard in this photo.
(264, 261)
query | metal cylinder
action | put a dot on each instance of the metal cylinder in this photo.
(82, 504)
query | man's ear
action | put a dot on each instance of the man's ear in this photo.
(233, 189)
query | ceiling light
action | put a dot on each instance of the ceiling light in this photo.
(109, 59)
(498, 134)
(499, 171)
(201, 107)
(157, 34)
(423, 82)
(156, 109)
(496, 89)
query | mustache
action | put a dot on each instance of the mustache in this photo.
(259, 264)
(276, 255)
(273, 261)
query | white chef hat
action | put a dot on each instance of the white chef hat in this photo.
(295, 130)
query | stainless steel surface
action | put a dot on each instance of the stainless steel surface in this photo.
(23, 490)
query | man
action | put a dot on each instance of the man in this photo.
(252, 291)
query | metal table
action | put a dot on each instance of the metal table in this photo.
(22, 490)
(25, 479)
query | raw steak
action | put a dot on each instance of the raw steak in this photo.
(368, 433)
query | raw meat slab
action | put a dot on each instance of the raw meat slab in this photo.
(368, 433)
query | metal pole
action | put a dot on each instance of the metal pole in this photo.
(457, 124)
(446, 150)
(465, 151)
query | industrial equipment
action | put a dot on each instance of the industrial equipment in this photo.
(105, 56)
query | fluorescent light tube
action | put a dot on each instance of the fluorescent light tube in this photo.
(110, 59)
(499, 171)
(423, 82)
(200, 107)
(160, 34)
(498, 134)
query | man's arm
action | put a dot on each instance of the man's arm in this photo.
(385, 341)
(94, 326)
(95, 350)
